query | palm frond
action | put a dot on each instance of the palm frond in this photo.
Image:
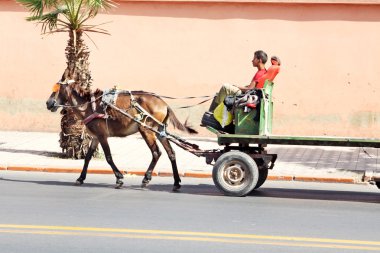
(96, 5)
(36, 7)
(49, 20)
(70, 10)
(78, 12)
(51, 3)
(96, 30)
(95, 27)
(58, 30)
(93, 42)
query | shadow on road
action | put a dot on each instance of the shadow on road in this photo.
(33, 152)
(211, 190)
(199, 189)
(328, 195)
(57, 183)
(305, 194)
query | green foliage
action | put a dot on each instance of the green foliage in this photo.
(35, 7)
(65, 15)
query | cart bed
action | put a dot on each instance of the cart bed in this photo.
(226, 139)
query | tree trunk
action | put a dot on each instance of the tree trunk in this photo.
(74, 139)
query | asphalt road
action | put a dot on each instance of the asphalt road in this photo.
(43, 212)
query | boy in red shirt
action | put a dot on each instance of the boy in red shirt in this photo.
(271, 72)
(258, 61)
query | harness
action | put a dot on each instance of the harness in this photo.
(109, 100)
(93, 116)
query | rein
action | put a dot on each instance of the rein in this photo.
(93, 99)
(189, 106)
(208, 98)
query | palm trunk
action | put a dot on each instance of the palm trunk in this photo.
(74, 140)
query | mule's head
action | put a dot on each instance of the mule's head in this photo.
(58, 97)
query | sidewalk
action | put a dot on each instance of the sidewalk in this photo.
(36, 151)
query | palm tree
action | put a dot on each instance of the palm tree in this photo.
(70, 16)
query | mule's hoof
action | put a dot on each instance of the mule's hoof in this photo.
(119, 184)
(176, 188)
(144, 183)
(78, 182)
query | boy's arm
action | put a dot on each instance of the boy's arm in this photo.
(251, 86)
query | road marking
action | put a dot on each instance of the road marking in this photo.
(192, 236)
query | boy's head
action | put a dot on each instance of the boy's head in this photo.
(260, 57)
(275, 60)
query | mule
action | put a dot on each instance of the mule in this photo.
(118, 125)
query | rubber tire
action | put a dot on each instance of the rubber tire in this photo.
(248, 182)
(263, 174)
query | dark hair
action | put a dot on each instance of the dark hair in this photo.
(261, 55)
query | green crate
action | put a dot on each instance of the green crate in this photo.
(245, 122)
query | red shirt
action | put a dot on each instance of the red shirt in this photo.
(258, 75)
(269, 75)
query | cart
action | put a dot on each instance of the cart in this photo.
(242, 165)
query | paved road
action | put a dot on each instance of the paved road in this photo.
(42, 212)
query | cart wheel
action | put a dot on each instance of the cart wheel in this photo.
(235, 174)
(263, 174)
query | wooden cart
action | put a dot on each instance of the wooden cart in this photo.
(242, 164)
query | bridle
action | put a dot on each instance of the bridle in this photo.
(56, 89)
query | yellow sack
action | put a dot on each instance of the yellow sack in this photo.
(223, 116)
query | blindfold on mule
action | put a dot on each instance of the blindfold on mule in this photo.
(56, 87)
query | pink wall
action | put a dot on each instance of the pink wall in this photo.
(329, 84)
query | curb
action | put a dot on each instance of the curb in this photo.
(169, 174)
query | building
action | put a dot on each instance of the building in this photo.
(329, 83)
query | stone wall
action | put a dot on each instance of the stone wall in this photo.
(329, 83)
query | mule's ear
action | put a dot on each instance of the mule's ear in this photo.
(56, 87)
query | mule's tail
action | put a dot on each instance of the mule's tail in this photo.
(178, 125)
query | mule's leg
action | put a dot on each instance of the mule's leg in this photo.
(169, 150)
(150, 139)
(107, 152)
(87, 159)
